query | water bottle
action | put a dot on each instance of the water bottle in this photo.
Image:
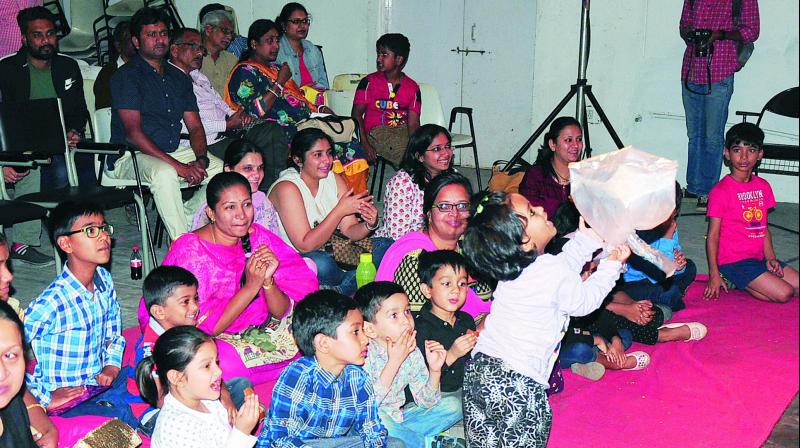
(365, 272)
(136, 264)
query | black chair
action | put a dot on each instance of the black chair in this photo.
(779, 158)
(29, 129)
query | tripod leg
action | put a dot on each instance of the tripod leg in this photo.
(525, 146)
(604, 119)
(587, 141)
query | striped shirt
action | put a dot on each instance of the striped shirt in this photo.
(74, 333)
(308, 402)
(716, 15)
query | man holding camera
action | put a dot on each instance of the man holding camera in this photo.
(713, 31)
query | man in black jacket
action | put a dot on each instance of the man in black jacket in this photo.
(38, 71)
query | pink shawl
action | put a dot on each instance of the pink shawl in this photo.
(218, 269)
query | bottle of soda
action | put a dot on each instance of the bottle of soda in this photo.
(365, 271)
(136, 264)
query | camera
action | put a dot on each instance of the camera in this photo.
(698, 38)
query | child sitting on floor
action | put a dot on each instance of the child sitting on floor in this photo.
(192, 415)
(645, 281)
(504, 384)
(739, 244)
(74, 326)
(170, 294)
(443, 277)
(46, 433)
(394, 362)
(388, 102)
(325, 398)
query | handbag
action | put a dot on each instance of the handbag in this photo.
(269, 343)
(339, 129)
(507, 181)
(390, 142)
(347, 252)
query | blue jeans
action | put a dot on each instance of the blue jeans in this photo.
(330, 274)
(420, 425)
(581, 353)
(379, 247)
(112, 403)
(669, 292)
(349, 442)
(705, 126)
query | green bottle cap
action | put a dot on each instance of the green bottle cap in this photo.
(365, 258)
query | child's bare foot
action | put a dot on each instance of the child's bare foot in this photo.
(638, 313)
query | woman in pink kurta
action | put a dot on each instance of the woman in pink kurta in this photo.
(236, 290)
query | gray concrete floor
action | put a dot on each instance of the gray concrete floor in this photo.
(29, 281)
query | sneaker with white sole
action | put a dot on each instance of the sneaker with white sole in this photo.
(28, 255)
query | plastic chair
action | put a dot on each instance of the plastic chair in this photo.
(779, 158)
(80, 38)
(347, 81)
(38, 126)
(341, 101)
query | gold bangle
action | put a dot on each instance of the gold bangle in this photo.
(36, 405)
(270, 286)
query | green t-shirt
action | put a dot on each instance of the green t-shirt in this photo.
(41, 83)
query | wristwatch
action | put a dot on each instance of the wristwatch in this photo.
(203, 158)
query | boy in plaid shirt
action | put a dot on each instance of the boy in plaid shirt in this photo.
(325, 399)
(74, 326)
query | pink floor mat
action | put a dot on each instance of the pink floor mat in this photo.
(727, 390)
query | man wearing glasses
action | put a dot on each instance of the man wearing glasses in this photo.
(217, 32)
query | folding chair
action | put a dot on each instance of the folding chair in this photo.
(34, 127)
(779, 158)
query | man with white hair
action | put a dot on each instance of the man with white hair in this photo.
(217, 32)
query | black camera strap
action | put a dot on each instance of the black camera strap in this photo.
(708, 61)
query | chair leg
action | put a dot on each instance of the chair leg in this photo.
(149, 257)
(477, 165)
(380, 184)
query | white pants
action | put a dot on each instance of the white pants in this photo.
(164, 183)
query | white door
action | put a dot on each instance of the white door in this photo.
(477, 54)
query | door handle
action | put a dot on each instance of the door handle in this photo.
(467, 51)
(472, 32)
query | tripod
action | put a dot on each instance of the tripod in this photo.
(581, 90)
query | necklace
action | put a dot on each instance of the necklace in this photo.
(562, 180)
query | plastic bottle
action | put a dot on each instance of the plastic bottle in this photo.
(365, 271)
(136, 264)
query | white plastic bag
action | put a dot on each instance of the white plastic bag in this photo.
(623, 191)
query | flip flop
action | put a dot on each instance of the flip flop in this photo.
(642, 360)
(698, 330)
(591, 370)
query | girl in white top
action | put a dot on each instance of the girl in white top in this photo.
(313, 202)
(184, 362)
(535, 296)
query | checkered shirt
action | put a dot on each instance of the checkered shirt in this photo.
(309, 402)
(716, 15)
(74, 333)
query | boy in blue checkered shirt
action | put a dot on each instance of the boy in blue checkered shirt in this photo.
(74, 326)
(325, 399)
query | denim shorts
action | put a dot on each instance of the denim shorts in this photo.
(742, 272)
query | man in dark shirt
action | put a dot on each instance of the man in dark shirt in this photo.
(123, 52)
(38, 71)
(149, 99)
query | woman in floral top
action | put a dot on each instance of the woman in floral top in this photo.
(428, 154)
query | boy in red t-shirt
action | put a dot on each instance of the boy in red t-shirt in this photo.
(387, 97)
(739, 243)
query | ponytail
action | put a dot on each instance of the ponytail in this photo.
(145, 381)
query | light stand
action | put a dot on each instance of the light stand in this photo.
(581, 90)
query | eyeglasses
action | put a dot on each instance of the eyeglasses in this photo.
(306, 21)
(446, 207)
(93, 231)
(225, 31)
(439, 148)
(194, 47)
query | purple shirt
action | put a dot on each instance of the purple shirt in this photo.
(542, 190)
(717, 15)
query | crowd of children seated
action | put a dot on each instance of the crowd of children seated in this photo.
(370, 372)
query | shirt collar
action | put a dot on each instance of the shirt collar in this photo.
(426, 313)
(327, 378)
(156, 327)
(99, 284)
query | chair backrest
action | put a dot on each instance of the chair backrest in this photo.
(341, 101)
(347, 81)
(786, 103)
(431, 106)
(101, 125)
(33, 126)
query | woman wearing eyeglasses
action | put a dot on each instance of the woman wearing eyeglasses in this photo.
(446, 210)
(302, 56)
